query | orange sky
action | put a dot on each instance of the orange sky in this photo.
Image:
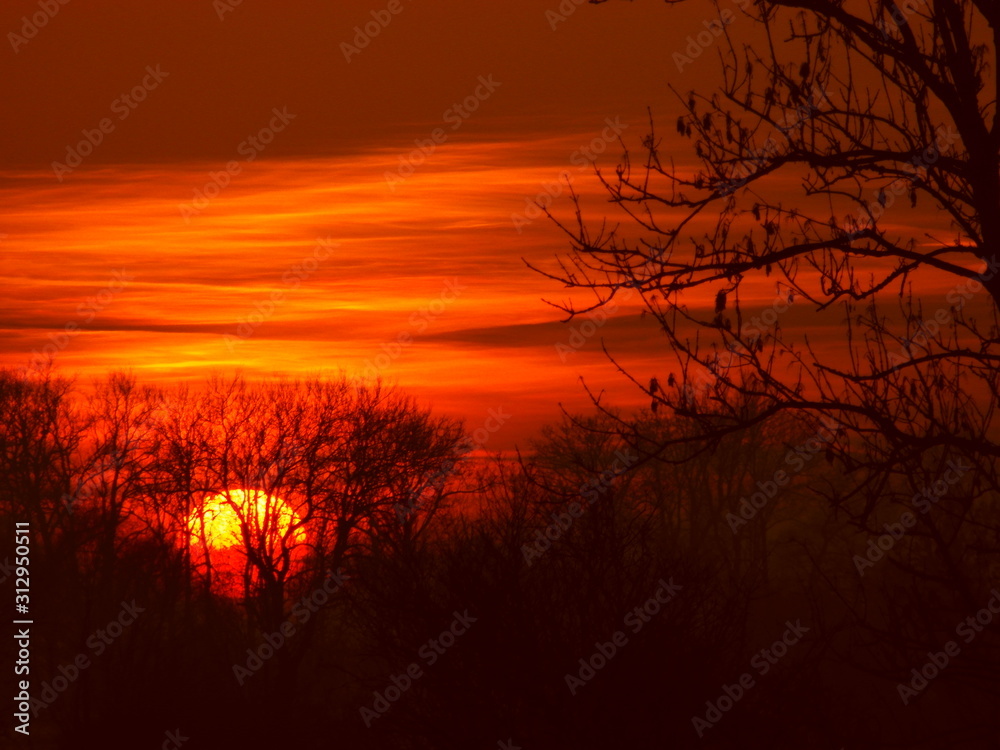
(424, 286)
(422, 279)
(323, 175)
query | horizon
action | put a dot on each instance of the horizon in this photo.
(530, 375)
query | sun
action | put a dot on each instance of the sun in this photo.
(222, 520)
(225, 525)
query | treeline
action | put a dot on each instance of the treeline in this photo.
(592, 591)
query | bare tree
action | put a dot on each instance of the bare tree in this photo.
(848, 160)
(867, 110)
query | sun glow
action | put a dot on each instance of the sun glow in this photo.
(222, 520)
(227, 524)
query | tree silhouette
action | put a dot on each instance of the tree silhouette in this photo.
(866, 112)
(846, 166)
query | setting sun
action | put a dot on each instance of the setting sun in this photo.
(231, 522)
(574, 373)
(224, 518)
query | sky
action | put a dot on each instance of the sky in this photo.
(302, 187)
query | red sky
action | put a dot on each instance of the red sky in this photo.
(426, 272)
